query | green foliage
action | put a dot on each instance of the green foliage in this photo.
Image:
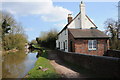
(44, 53)
(33, 42)
(38, 73)
(48, 39)
(16, 41)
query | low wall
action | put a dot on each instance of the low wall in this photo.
(112, 53)
(108, 66)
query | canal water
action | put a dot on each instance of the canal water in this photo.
(17, 65)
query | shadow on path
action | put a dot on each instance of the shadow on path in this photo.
(67, 70)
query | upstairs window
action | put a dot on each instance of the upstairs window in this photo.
(92, 44)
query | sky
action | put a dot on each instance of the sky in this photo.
(37, 17)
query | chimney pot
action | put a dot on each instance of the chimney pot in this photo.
(81, 2)
(69, 18)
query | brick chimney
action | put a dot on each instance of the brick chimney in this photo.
(69, 18)
(82, 15)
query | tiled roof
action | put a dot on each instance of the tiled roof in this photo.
(87, 33)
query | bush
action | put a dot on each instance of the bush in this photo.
(14, 41)
(48, 39)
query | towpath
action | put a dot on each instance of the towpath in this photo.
(61, 68)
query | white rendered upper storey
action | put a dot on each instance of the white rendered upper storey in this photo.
(81, 21)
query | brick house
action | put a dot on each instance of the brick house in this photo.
(82, 36)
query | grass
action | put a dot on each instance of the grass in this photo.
(37, 73)
(45, 63)
(37, 46)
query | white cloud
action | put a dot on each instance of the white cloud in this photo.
(59, 25)
(46, 10)
(29, 29)
(56, 14)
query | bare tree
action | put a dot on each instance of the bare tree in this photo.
(111, 27)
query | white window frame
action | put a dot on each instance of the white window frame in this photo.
(92, 48)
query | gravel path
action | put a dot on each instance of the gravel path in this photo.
(60, 67)
(64, 71)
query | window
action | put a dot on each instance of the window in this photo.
(65, 44)
(92, 44)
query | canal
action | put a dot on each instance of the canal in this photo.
(17, 65)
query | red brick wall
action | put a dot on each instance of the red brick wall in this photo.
(81, 46)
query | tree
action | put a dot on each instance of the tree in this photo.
(112, 31)
(5, 28)
(33, 42)
(48, 39)
(12, 32)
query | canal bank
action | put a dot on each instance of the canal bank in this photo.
(17, 65)
(42, 68)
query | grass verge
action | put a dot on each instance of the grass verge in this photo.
(44, 63)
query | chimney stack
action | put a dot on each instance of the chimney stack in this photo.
(69, 18)
(82, 14)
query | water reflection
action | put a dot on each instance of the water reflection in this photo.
(18, 64)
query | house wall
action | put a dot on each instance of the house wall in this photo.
(61, 39)
(57, 44)
(71, 38)
(76, 23)
(81, 46)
